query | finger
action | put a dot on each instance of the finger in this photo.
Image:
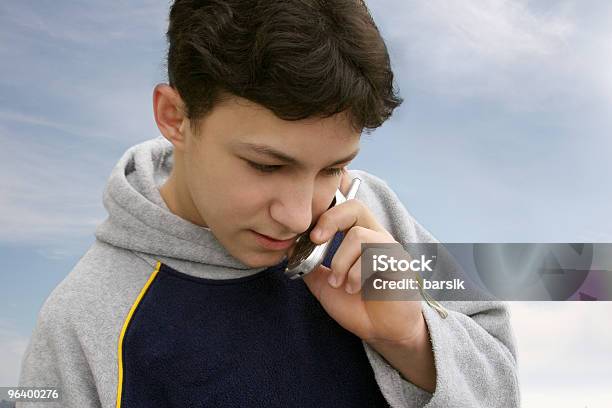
(343, 217)
(325, 294)
(348, 252)
(353, 279)
(354, 275)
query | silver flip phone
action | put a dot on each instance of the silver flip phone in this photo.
(307, 256)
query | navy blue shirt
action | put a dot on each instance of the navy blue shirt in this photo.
(258, 341)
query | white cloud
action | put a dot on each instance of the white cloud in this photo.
(583, 397)
(564, 353)
(505, 51)
(497, 30)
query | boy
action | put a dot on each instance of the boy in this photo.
(182, 301)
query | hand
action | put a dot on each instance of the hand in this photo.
(389, 323)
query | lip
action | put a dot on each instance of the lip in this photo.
(271, 243)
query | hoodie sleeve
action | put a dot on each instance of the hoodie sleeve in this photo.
(474, 348)
(54, 358)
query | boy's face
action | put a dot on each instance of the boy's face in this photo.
(222, 188)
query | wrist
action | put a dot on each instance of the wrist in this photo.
(411, 342)
(412, 357)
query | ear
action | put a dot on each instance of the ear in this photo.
(170, 115)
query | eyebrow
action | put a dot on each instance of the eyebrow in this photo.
(271, 152)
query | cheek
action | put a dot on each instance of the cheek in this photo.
(240, 200)
(224, 196)
(323, 197)
(245, 201)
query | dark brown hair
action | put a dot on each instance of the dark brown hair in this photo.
(298, 58)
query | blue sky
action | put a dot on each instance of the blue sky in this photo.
(503, 137)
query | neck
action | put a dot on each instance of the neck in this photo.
(179, 202)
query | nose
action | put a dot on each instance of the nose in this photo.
(293, 207)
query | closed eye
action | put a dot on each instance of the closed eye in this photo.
(268, 168)
(334, 171)
(264, 168)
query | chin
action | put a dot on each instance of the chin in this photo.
(265, 259)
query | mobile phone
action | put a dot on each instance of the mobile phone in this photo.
(307, 256)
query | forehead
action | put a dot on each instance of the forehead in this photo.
(244, 126)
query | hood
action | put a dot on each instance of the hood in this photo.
(139, 220)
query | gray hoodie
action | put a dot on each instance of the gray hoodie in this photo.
(77, 339)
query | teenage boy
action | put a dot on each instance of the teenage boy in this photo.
(182, 301)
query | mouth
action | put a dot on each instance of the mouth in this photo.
(273, 243)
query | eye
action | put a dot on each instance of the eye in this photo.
(270, 168)
(334, 171)
(264, 168)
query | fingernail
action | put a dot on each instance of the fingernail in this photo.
(349, 288)
(332, 280)
(316, 233)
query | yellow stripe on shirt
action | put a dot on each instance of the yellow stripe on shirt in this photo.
(124, 329)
